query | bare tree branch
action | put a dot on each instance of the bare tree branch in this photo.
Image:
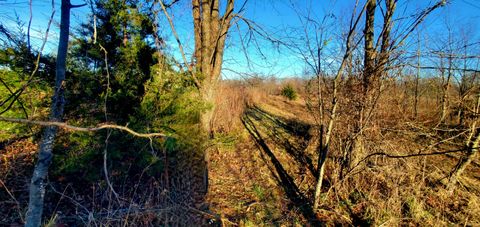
(180, 46)
(83, 129)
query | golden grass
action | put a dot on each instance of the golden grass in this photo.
(380, 191)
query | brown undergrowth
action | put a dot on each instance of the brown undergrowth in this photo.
(268, 178)
(262, 172)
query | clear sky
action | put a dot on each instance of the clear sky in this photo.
(283, 20)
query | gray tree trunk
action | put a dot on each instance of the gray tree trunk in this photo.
(472, 150)
(417, 78)
(472, 147)
(37, 184)
(322, 156)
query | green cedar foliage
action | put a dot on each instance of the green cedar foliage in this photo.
(289, 92)
(33, 103)
(122, 30)
(172, 104)
(118, 81)
(144, 91)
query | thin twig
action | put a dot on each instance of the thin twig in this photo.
(37, 64)
(15, 200)
(180, 46)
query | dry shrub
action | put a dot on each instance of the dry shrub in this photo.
(233, 98)
(397, 191)
(379, 190)
(229, 107)
(256, 95)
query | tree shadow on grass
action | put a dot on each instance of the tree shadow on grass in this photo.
(290, 135)
(274, 123)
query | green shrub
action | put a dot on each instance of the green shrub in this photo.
(32, 103)
(289, 92)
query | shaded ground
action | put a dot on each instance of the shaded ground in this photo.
(175, 196)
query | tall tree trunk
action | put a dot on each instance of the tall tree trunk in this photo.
(210, 34)
(322, 156)
(324, 146)
(463, 88)
(374, 65)
(384, 55)
(472, 148)
(357, 144)
(369, 55)
(37, 184)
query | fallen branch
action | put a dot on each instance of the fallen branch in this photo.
(405, 156)
(82, 129)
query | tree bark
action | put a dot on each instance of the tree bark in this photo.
(322, 156)
(384, 56)
(369, 73)
(417, 78)
(472, 147)
(473, 144)
(369, 55)
(374, 65)
(210, 34)
(37, 184)
(445, 89)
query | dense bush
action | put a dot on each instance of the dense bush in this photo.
(289, 92)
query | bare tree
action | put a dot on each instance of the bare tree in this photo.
(37, 184)
(210, 29)
(472, 145)
(324, 146)
(210, 34)
(373, 71)
(377, 57)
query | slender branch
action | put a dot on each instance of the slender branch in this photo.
(77, 6)
(37, 64)
(405, 156)
(83, 129)
(29, 26)
(13, 95)
(14, 199)
(445, 68)
(180, 46)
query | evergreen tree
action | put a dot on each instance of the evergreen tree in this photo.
(123, 32)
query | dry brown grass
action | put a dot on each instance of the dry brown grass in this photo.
(379, 191)
(229, 107)
(175, 198)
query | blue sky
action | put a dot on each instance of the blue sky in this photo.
(280, 18)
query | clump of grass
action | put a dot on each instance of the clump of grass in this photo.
(259, 192)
